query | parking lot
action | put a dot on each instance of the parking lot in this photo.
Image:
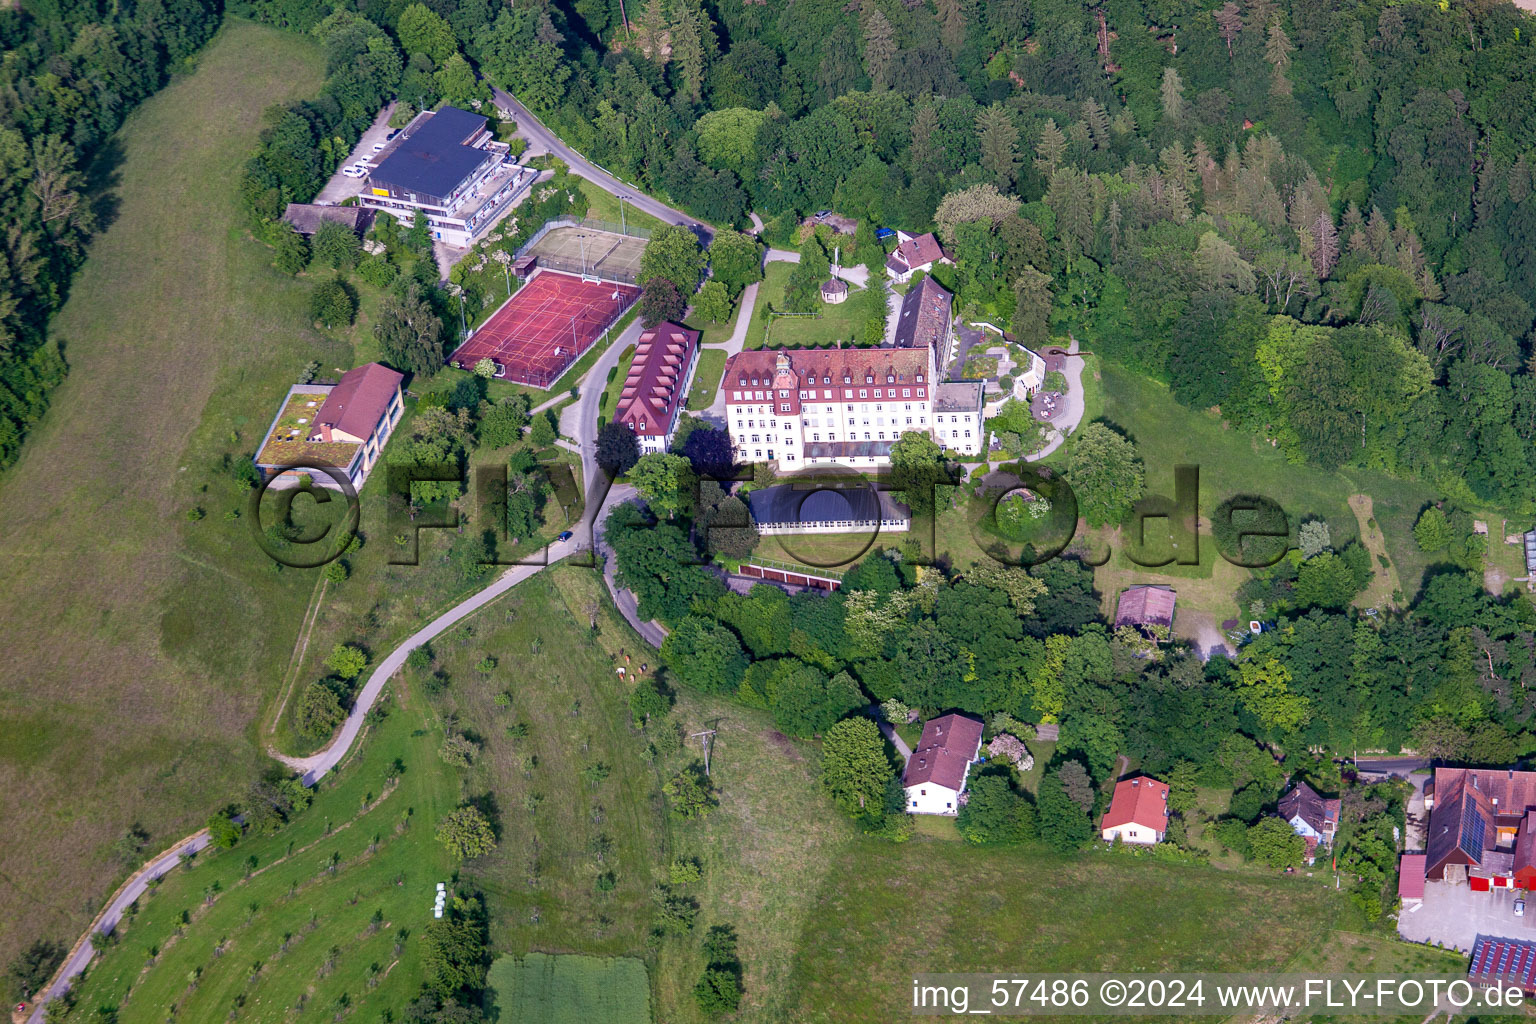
(1454, 915)
(342, 187)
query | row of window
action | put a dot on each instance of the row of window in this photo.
(827, 394)
(869, 378)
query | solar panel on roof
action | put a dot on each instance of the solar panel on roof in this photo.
(1473, 828)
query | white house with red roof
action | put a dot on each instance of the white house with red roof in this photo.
(937, 770)
(1138, 812)
(659, 376)
(914, 253)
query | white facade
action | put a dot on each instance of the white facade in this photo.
(827, 406)
(932, 798)
(1133, 833)
(957, 416)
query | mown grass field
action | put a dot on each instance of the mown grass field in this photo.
(570, 989)
(351, 880)
(706, 379)
(141, 647)
(831, 325)
(942, 906)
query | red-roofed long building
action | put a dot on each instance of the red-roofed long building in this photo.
(1138, 812)
(658, 379)
(936, 771)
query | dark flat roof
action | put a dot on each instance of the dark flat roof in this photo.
(786, 503)
(434, 160)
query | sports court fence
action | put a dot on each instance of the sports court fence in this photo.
(590, 223)
(616, 275)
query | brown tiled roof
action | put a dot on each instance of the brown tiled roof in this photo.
(305, 218)
(948, 745)
(1470, 805)
(916, 253)
(654, 388)
(834, 364)
(1305, 802)
(1138, 801)
(924, 319)
(358, 402)
(1145, 606)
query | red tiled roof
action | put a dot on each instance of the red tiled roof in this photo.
(1139, 801)
(916, 253)
(823, 367)
(948, 745)
(1410, 876)
(358, 402)
(1145, 606)
(654, 388)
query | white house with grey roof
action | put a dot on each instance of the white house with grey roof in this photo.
(957, 415)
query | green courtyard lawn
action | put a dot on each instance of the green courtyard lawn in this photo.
(614, 385)
(713, 333)
(943, 906)
(141, 646)
(831, 325)
(706, 379)
(353, 877)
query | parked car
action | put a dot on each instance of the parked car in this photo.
(378, 146)
(353, 172)
(1520, 907)
(823, 214)
(362, 168)
(565, 536)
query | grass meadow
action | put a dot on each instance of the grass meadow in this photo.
(831, 324)
(141, 647)
(349, 883)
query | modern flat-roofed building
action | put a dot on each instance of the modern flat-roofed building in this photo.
(813, 407)
(665, 357)
(957, 409)
(447, 165)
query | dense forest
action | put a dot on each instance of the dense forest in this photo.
(72, 72)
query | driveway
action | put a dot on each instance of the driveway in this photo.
(544, 140)
(1069, 408)
(342, 187)
(1454, 915)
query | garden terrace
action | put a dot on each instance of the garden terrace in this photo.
(287, 441)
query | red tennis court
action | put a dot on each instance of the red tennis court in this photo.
(545, 327)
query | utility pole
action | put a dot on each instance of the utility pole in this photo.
(704, 740)
(622, 229)
(506, 272)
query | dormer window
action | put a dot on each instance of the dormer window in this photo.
(869, 378)
(889, 379)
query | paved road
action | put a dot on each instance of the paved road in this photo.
(900, 744)
(1071, 408)
(109, 919)
(532, 129)
(315, 766)
(1402, 765)
(653, 632)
